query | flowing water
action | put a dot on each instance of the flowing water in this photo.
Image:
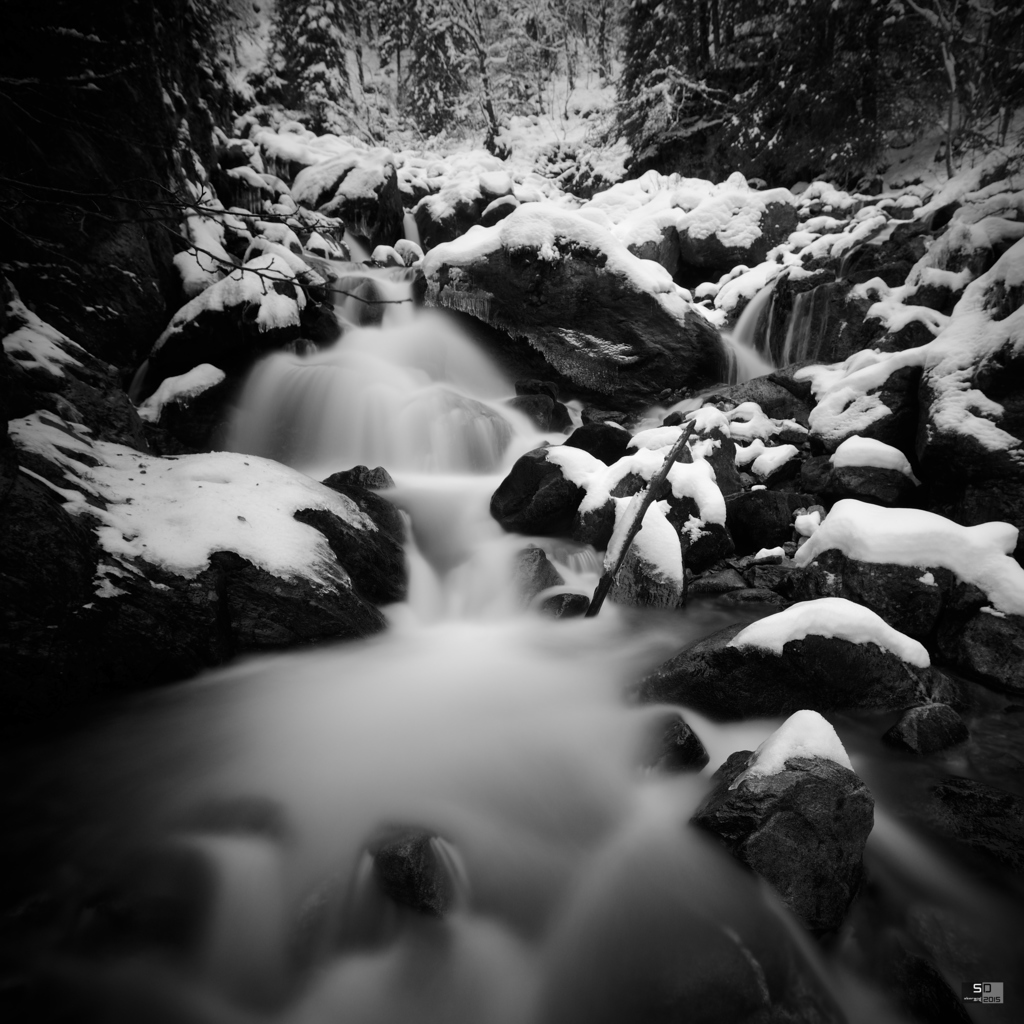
(229, 818)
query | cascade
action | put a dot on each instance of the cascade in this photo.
(502, 735)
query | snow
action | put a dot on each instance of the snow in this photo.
(181, 390)
(657, 543)
(807, 523)
(765, 460)
(830, 617)
(803, 734)
(748, 420)
(35, 345)
(865, 451)
(251, 283)
(207, 262)
(709, 418)
(907, 536)
(175, 512)
(776, 554)
(549, 229)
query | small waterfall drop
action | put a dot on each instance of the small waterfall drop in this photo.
(747, 343)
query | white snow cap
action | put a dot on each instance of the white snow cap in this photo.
(908, 536)
(803, 734)
(831, 617)
(181, 389)
(866, 451)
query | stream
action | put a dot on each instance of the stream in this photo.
(217, 846)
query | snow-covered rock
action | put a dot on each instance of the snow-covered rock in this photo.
(615, 327)
(796, 814)
(819, 655)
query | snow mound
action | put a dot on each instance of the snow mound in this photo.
(180, 390)
(175, 512)
(803, 734)
(908, 536)
(865, 451)
(35, 345)
(830, 617)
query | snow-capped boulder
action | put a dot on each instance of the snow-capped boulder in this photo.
(615, 328)
(954, 587)
(651, 574)
(463, 202)
(271, 301)
(824, 655)
(533, 572)
(47, 370)
(927, 729)
(602, 440)
(361, 188)
(166, 566)
(795, 812)
(867, 469)
(538, 496)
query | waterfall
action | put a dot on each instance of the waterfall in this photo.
(747, 344)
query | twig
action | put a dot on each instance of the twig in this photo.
(608, 577)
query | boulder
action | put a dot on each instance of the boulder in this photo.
(614, 327)
(451, 212)
(802, 828)
(643, 583)
(762, 519)
(603, 440)
(360, 188)
(412, 867)
(869, 483)
(927, 729)
(567, 605)
(798, 659)
(146, 570)
(988, 648)
(754, 596)
(979, 816)
(713, 584)
(547, 414)
(532, 572)
(674, 746)
(536, 497)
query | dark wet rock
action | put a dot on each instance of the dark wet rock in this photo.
(711, 543)
(754, 596)
(642, 584)
(988, 648)
(498, 210)
(903, 595)
(814, 473)
(869, 483)
(914, 982)
(782, 579)
(774, 398)
(374, 559)
(674, 746)
(594, 526)
(616, 342)
(532, 572)
(603, 441)
(565, 605)
(712, 584)
(410, 869)
(377, 479)
(386, 516)
(981, 817)
(817, 673)
(762, 519)
(537, 387)
(927, 729)
(536, 498)
(546, 413)
(802, 829)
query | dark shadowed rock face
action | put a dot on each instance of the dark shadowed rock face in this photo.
(802, 829)
(926, 729)
(611, 340)
(869, 483)
(674, 746)
(818, 673)
(604, 441)
(535, 497)
(979, 816)
(762, 519)
(408, 868)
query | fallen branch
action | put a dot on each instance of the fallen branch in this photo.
(634, 518)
